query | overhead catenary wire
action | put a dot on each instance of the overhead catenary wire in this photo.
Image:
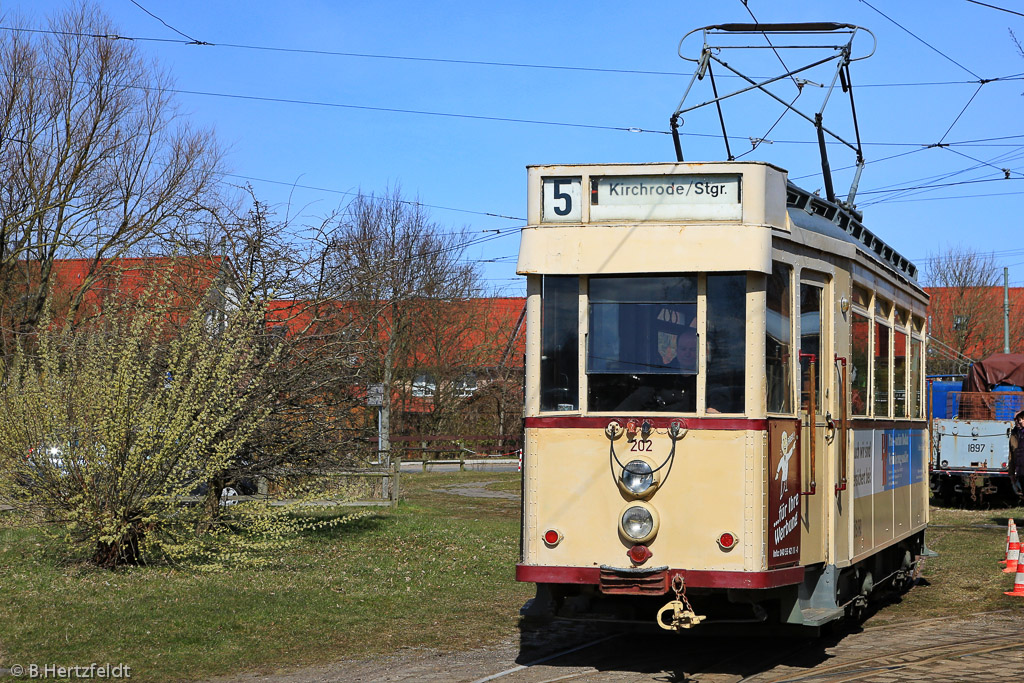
(981, 81)
(192, 40)
(934, 181)
(628, 129)
(498, 233)
(631, 129)
(939, 199)
(1001, 9)
(444, 60)
(349, 193)
(1001, 169)
(775, 51)
(361, 55)
(980, 86)
(1005, 253)
(978, 165)
(932, 187)
(965, 143)
(919, 146)
(499, 215)
(921, 40)
(948, 351)
(407, 202)
(893, 192)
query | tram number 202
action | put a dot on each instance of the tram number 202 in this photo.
(975, 447)
(642, 446)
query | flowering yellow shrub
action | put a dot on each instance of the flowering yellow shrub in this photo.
(109, 430)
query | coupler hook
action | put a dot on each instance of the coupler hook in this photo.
(683, 615)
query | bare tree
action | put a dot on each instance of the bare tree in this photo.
(468, 349)
(95, 162)
(377, 293)
(393, 264)
(315, 338)
(966, 309)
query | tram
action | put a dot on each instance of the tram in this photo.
(723, 416)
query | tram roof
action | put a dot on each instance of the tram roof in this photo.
(810, 212)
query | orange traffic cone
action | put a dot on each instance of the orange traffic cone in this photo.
(1018, 582)
(1012, 551)
(1010, 526)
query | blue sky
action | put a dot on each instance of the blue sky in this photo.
(471, 171)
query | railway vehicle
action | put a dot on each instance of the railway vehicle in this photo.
(971, 422)
(724, 382)
(724, 379)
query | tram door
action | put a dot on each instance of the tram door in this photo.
(813, 409)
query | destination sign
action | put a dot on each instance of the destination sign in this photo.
(665, 197)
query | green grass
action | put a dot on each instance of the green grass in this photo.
(436, 573)
(966, 577)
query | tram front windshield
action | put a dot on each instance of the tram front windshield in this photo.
(642, 345)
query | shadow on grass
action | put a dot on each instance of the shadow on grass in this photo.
(1004, 499)
(369, 524)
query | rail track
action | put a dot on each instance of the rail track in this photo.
(982, 646)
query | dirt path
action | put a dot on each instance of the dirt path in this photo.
(477, 489)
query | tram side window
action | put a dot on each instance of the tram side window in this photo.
(916, 409)
(810, 343)
(881, 370)
(899, 374)
(778, 341)
(860, 328)
(726, 343)
(642, 344)
(559, 360)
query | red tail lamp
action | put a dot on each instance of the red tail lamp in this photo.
(727, 541)
(639, 554)
(552, 537)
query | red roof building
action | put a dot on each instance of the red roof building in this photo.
(969, 321)
(83, 286)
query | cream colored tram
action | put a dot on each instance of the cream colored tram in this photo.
(724, 417)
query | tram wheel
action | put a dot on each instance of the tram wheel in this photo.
(857, 610)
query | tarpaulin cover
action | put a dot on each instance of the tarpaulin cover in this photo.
(999, 368)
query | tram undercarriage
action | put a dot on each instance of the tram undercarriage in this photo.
(826, 595)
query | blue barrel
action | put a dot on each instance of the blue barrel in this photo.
(940, 390)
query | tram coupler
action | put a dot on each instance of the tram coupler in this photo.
(682, 617)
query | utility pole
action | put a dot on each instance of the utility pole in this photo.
(1006, 310)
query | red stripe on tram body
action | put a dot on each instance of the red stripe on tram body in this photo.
(742, 424)
(693, 578)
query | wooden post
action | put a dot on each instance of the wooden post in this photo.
(397, 464)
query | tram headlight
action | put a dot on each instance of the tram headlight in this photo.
(637, 477)
(639, 522)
